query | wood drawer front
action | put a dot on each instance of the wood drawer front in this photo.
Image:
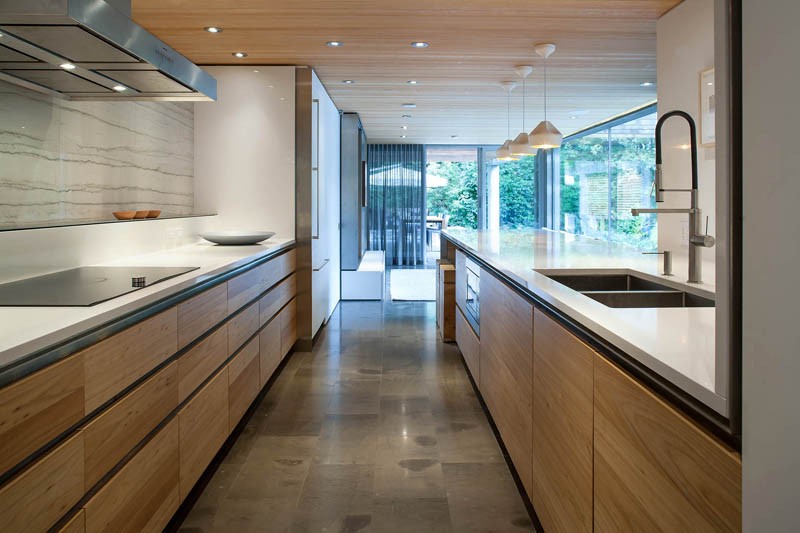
(203, 430)
(562, 427)
(243, 381)
(506, 370)
(37, 498)
(469, 345)
(247, 286)
(112, 435)
(654, 470)
(242, 327)
(269, 341)
(38, 408)
(76, 524)
(288, 327)
(143, 495)
(201, 361)
(201, 313)
(115, 363)
(275, 299)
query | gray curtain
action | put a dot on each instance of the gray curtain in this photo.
(396, 202)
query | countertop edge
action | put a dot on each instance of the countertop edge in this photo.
(57, 345)
(692, 398)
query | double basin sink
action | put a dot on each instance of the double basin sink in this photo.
(627, 290)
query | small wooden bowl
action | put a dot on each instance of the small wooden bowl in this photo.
(141, 214)
(153, 213)
(124, 215)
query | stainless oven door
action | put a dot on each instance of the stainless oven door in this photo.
(472, 304)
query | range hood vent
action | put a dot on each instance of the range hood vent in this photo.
(92, 50)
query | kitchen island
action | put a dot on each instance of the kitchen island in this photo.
(609, 415)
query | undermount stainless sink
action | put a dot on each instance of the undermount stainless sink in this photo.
(614, 289)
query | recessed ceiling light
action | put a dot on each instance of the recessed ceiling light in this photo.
(67, 66)
(419, 44)
(408, 106)
(646, 84)
(573, 117)
(334, 44)
(120, 88)
(256, 71)
(349, 82)
(405, 116)
(403, 127)
(402, 136)
(240, 55)
(412, 82)
(213, 29)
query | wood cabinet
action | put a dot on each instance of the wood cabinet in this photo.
(39, 496)
(113, 434)
(115, 363)
(269, 341)
(203, 429)
(562, 427)
(654, 470)
(242, 327)
(275, 299)
(506, 369)
(469, 345)
(38, 408)
(121, 457)
(76, 524)
(196, 365)
(199, 314)
(288, 318)
(446, 301)
(247, 286)
(243, 382)
(143, 495)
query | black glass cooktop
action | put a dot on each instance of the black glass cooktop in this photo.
(84, 286)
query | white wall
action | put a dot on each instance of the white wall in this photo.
(326, 282)
(685, 47)
(245, 150)
(771, 262)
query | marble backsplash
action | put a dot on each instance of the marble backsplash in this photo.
(62, 160)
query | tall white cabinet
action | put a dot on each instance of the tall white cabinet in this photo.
(325, 206)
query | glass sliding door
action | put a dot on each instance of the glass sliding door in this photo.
(510, 192)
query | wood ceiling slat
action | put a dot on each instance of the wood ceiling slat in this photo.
(605, 49)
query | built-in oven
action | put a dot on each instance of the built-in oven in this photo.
(472, 303)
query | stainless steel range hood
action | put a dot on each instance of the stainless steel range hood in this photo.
(92, 50)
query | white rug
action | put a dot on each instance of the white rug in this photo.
(413, 285)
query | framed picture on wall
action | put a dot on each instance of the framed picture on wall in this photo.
(707, 109)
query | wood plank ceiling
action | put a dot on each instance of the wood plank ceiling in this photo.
(606, 49)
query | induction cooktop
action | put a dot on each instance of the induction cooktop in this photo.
(84, 286)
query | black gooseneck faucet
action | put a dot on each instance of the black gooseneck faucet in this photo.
(698, 238)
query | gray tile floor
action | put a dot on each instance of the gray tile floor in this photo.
(378, 429)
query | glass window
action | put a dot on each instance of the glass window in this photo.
(604, 175)
(452, 185)
(511, 193)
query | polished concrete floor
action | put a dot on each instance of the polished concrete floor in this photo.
(378, 429)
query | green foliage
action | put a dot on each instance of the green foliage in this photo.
(459, 198)
(518, 207)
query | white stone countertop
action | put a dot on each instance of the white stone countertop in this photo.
(25, 330)
(676, 343)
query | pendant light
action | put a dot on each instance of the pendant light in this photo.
(521, 146)
(545, 135)
(504, 152)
